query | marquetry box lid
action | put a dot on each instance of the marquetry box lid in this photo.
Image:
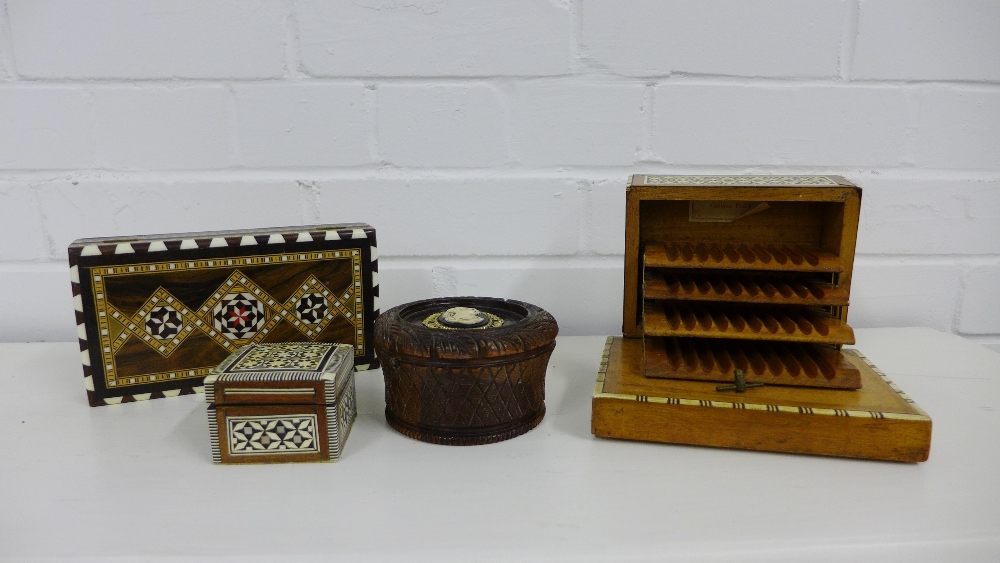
(272, 403)
(155, 314)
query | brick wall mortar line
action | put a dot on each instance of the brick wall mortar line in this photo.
(572, 172)
(7, 67)
(589, 259)
(233, 127)
(956, 313)
(585, 228)
(293, 65)
(912, 100)
(845, 62)
(576, 36)
(309, 203)
(504, 92)
(588, 77)
(649, 111)
(371, 121)
(400, 262)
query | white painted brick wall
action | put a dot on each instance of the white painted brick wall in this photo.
(45, 127)
(957, 127)
(574, 122)
(489, 142)
(781, 125)
(921, 293)
(928, 40)
(793, 38)
(606, 215)
(88, 208)
(536, 217)
(21, 220)
(146, 39)
(161, 127)
(980, 304)
(428, 125)
(36, 306)
(914, 217)
(287, 125)
(379, 38)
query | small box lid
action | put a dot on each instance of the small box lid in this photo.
(738, 180)
(282, 373)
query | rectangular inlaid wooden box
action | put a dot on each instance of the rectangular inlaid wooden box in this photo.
(279, 403)
(155, 314)
(877, 421)
(742, 272)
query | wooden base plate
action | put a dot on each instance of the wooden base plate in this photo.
(877, 421)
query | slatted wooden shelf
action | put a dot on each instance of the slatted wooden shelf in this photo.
(733, 287)
(798, 324)
(773, 363)
(785, 257)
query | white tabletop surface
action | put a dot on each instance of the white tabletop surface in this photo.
(136, 481)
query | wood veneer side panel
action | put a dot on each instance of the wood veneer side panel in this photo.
(783, 222)
(848, 243)
(879, 439)
(631, 326)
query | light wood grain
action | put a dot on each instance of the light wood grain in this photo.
(738, 256)
(772, 363)
(740, 287)
(632, 307)
(874, 422)
(779, 274)
(789, 324)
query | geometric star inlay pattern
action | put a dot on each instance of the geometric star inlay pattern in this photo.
(272, 434)
(238, 312)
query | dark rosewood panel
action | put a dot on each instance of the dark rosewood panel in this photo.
(157, 313)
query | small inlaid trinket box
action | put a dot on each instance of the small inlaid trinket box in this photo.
(279, 403)
(156, 313)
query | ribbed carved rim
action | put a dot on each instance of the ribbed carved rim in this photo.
(474, 437)
(400, 331)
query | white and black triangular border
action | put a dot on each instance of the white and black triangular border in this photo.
(183, 242)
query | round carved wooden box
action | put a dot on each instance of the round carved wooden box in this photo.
(465, 370)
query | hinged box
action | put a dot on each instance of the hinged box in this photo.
(747, 280)
(156, 313)
(742, 272)
(275, 403)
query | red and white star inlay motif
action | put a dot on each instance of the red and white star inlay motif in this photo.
(238, 316)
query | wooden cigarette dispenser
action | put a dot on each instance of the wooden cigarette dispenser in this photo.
(747, 278)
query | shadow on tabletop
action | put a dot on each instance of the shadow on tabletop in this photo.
(571, 411)
(191, 433)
